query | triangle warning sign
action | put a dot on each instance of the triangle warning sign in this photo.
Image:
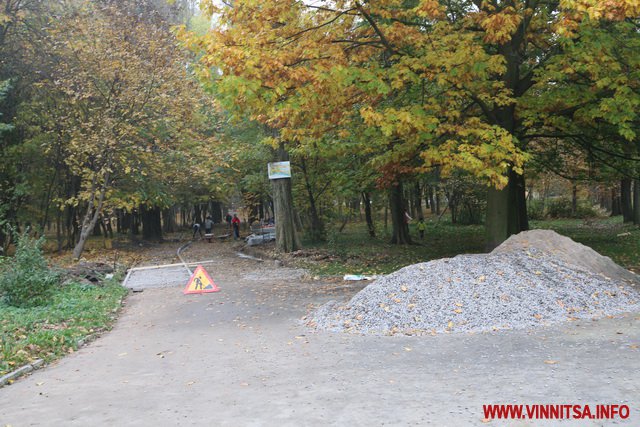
(200, 282)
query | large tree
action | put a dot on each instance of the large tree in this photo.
(447, 82)
(116, 109)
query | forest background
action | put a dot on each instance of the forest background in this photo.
(138, 118)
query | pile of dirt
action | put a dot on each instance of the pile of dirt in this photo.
(566, 250)
(534, 279)
(91, 273)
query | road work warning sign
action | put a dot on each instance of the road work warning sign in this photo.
(200, 282)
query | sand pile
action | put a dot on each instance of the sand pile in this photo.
(535, 278)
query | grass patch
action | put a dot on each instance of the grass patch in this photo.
(50, 331)
(354, 252)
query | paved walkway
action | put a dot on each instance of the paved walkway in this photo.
(240, 358)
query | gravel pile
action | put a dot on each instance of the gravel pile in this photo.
(524, 283)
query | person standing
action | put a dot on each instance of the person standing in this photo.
(407, 218)
(421, 227)
(208, 228)
(208, 225)
(235, 222)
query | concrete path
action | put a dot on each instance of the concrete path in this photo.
(240, 358)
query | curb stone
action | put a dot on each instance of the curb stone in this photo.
(20, 372)
(23, 370)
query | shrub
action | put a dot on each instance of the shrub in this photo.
(562, 208)
(535, 209)
(26, 279)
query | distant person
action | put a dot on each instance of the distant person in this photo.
(228, 219)
(235, 222)
(421, 227)
(407, 218)
(196, 230)
(208, 225)
(208, 228)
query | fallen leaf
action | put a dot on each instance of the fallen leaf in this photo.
(457, 310)
(404, 288)
(459, 304)
(450, 325)
(550, 362)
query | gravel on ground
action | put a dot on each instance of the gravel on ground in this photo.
(534, 279)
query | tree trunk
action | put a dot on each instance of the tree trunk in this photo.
(636, 201)
(126, 220)
(197, 214)
(386, 217)
(97, 231)
(574, 200)
(432, 202)
(169, 220)
(316, 229)
(616, 209)
(216, 212)
(109, 228)
(417, 200)
(89, 222)
(151, 223)
(506, 211)
(286, 237)
(400, 228)
(366, 200)
(59, 229)
(520, 190)
(134, 224)
(625, 200)
(452, 204)
(103, 226)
